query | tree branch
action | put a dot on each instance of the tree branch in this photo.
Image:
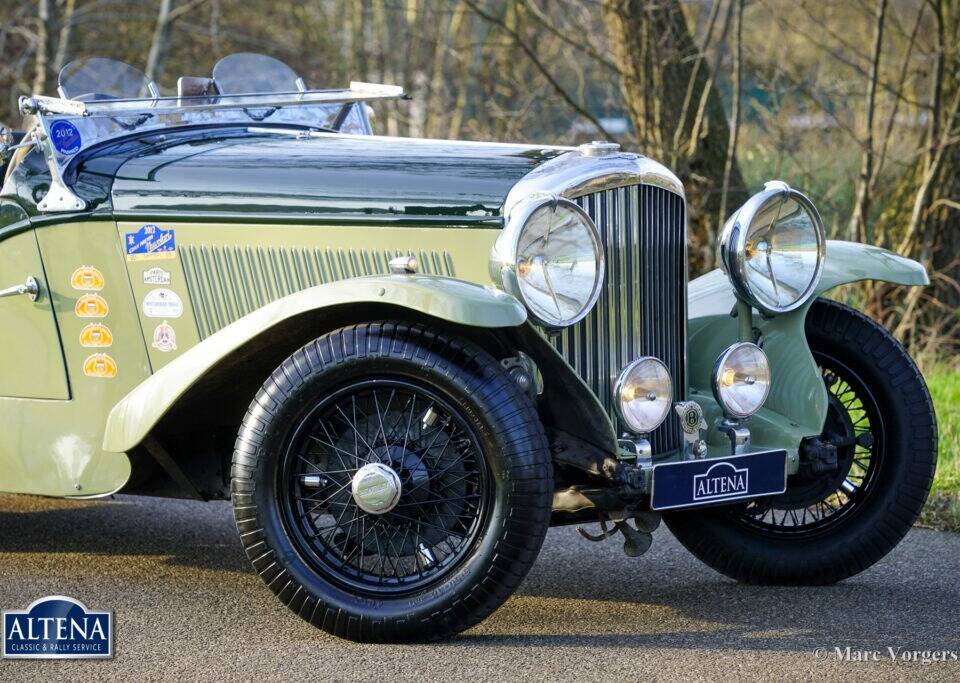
(734, 109)
(531, 55)
(861, 208)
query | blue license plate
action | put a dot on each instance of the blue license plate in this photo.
(718, 480)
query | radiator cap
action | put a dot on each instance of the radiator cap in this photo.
(599, 148)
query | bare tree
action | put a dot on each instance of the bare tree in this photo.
(734, 107)
(166, 16)
(658, 60)
(46, 20)
(858, 221)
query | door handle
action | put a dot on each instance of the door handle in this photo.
(31, 288)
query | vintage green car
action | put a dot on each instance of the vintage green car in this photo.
(403, 360)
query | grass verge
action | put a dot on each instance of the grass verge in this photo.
(943, 507)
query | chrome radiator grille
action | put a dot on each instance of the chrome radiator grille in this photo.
(642, 310)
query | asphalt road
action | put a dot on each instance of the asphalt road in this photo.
(187, 607)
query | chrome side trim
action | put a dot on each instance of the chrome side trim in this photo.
(574, 175)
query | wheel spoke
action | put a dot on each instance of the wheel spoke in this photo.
(442, 489)
(813, 502)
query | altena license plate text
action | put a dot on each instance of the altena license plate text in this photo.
(716, 480)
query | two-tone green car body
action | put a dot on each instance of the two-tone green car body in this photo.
(404, 359)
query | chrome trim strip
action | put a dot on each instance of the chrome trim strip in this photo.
(357, 92)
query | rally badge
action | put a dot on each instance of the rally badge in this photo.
(87, 278)
(165, 338)
(162, 303)
(150, 242)
(156, 276)
(101, 366)
(96, 335)
(91, 306)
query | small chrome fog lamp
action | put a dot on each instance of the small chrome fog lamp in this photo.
(741, 380)
(643, 394)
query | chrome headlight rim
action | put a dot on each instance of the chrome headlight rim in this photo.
(721, 362)
(733, 241)
(504, 258)
(622, 379)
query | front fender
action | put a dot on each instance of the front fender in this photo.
(797, 405)
(447, 299)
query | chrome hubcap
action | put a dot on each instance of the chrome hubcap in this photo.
(376, 488)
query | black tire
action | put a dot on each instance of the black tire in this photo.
(882, 387)
(511, 479)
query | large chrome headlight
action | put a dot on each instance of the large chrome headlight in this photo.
(741, 380)
(772, 249)
(551, 258)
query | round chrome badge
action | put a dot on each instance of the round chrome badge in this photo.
(376, 488)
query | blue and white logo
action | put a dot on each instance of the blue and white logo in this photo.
(150, 242)
(65, 137)
(723, 480)
(57, 627)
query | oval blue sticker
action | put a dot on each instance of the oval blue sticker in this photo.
(65, 136)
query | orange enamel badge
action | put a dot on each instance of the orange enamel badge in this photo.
(87, 278)
(100, 365)
(96, 335)
(91, 306)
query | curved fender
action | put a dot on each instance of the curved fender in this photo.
(452, 300)
(797, 404)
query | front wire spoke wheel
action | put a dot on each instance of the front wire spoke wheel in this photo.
(814, 502)
(384, 486)
(392, 482)
(860, 484)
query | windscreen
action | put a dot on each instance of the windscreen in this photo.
(245, 72)
(97, 78)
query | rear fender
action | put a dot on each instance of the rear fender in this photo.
(797, 405)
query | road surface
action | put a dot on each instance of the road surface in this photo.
(187, 607)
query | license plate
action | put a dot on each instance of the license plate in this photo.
(718, 480)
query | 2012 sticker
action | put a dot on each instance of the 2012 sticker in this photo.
(164, 338)
(96, 335)
(150, 242)
(65, 137)
(162, 303)
(91, 306)
(100, 365)
(87, 278)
